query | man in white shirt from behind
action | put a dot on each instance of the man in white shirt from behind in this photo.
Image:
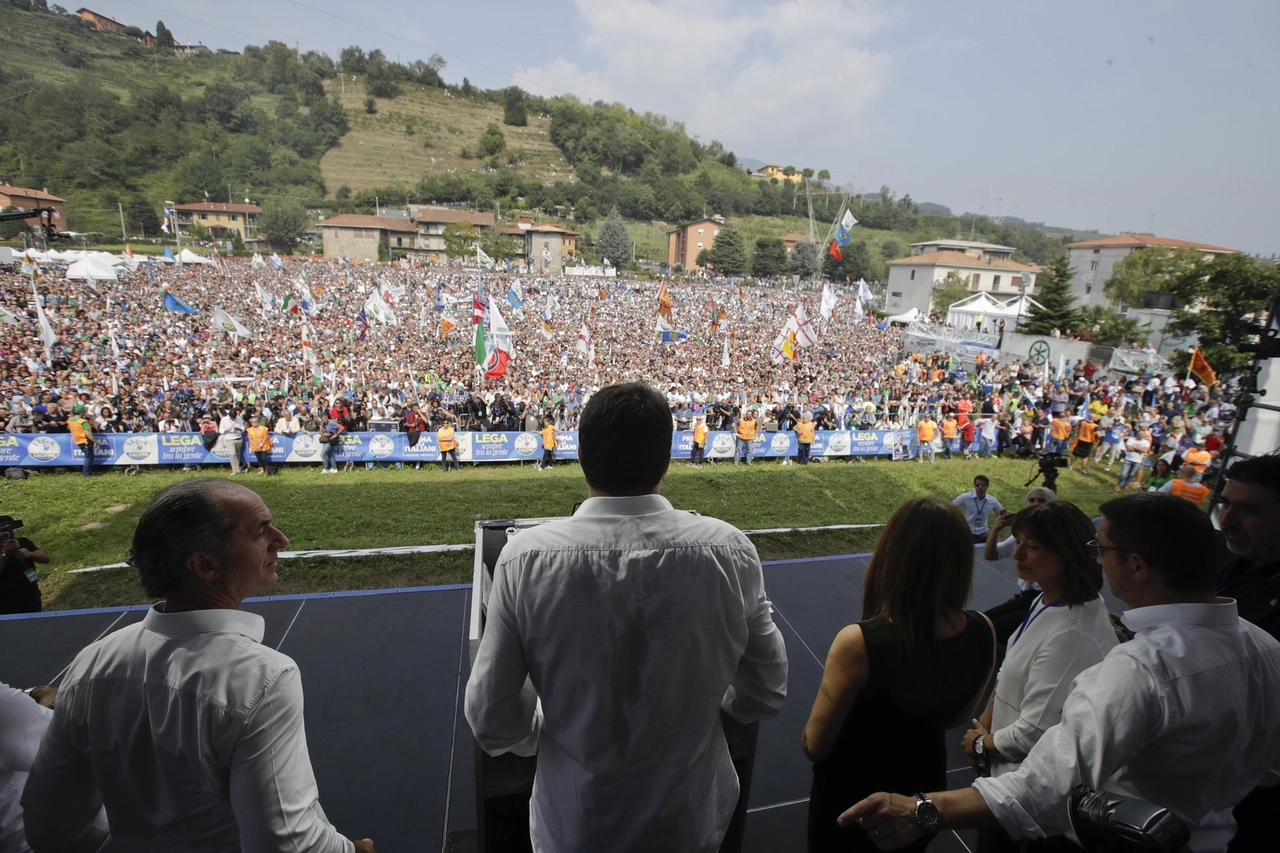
(634, 624)
(185, 726)
(1185, 715)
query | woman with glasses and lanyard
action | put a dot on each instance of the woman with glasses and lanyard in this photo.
(1066, 631)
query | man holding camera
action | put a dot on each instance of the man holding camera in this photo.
(19, 583)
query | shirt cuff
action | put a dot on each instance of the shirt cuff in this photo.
(1007, 745)
(1013, 818)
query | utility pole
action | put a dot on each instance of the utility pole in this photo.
(123, 235)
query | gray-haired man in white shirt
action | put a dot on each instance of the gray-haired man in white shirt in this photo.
(184, 725)
(636, 624)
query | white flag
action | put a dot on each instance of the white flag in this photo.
(829, 301)
(847, 220)
(724, 357)
(806, 335)
(586, 345)
(499, 333)
(858, 311)
(268, 304)
(222, 321)
(7, 316)
(48, 336)
(864, 292)
(257, 262)
(378, 310)
(482, 258)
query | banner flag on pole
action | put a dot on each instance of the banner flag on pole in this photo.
(173, 303)
(224, 321)
(835, 252)
(1200, 368)
(847, 220)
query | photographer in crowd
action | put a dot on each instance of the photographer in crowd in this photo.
(19, 583)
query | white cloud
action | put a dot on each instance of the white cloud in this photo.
(778, 78)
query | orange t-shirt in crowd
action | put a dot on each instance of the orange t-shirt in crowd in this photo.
(747, 429)
(259, 438)
(924, 430)
(804, 432)
(1198, 458)
(1088, 431)
(1060, 428)
(444, 436)
(700, 434)
(548, 438)
(1194, 492)
(949, 426)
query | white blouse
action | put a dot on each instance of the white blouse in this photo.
(1056, 645)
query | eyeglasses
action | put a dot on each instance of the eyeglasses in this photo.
(1096, 549)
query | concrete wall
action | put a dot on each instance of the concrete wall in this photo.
(359, 244)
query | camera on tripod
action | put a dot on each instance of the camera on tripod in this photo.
(1047, 464)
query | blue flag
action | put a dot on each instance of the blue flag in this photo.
(439, 297)
(151, 265)
(514, 298)
(842, 236)
(884, 324)
(670, 336)
(168, 253)
(173, 303)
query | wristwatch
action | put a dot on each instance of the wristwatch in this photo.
(978, 748)
(928, 817)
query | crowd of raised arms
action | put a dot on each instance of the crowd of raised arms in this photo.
(136, 366)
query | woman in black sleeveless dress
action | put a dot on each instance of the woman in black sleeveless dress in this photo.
(916, 665)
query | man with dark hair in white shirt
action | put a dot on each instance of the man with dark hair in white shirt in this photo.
(634, 624)
(185, 726)
(1185, 715)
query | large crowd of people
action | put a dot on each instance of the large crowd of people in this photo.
(124, 362)
(624, 646)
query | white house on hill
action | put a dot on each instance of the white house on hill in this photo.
(911, 279)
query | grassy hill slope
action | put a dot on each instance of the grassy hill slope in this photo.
(423, 132)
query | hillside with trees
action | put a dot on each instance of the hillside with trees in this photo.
(109, 123)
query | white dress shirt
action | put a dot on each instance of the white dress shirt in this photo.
(22, 722)
(1057, 644)
(977, 510)
(1185, 715)
(191, 733)
(634, 622)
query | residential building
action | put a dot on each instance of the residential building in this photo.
(102, 23)
(185, 51)
(543, 241)
(791, 240)
(22, 197)
(1094, 260)
(771, 172)
(982, 251)
(221, 218)
(912, 279)
(684, 243)
(431, 222)
(357, 236)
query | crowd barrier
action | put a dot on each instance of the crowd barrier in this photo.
(186, 448)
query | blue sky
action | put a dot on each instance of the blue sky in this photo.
(1121, 116)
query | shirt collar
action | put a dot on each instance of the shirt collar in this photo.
(632, 505)
(250, 625)
(1221, 612)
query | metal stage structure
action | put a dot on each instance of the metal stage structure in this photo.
(385, 671)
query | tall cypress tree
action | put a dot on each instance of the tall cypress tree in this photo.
(613, 241)
(1053, 291)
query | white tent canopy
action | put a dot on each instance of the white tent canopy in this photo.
(186, 256)
(908, 317)
(965, 314)
(91, 269)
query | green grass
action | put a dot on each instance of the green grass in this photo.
(84, 523)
